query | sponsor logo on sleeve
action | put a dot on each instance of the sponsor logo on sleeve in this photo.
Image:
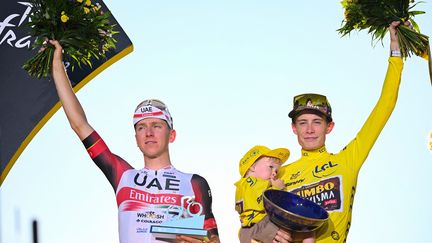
(335, 235)
(239, 206)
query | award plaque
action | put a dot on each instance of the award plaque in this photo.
(183, 223)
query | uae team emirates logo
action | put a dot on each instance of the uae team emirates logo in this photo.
(130, 199)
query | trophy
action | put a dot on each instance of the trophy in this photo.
(184, 222)
(292, 212)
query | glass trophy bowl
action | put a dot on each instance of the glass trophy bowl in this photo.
(290, 211)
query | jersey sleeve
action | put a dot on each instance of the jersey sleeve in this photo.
(249, 199)
(253, 191)
(110, 164)
(361, 145)
(204, 197)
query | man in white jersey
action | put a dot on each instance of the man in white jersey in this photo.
(149, 196)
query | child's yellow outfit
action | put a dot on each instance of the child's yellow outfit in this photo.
(250, 206)
(249, 197)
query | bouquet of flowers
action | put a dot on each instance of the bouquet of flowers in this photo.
(376, 15)
(81, 27)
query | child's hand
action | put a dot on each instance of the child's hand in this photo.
(278, 183)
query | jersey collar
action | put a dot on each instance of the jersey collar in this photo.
(314, 153)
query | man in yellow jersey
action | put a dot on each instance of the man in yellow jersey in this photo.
(328, 179)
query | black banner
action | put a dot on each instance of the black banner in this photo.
(27, 103)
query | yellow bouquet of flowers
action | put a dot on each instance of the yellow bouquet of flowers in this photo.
(81, 27)
(376, 15)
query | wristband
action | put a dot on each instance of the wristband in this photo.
(394, 53)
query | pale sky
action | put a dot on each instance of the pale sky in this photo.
(228, 71)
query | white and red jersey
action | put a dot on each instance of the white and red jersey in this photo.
(149, 197)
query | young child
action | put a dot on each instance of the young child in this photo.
(258, 171)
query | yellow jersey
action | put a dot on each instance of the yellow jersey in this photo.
(330, 180)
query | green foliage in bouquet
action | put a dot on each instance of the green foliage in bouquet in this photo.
(376, 16)
(81, 27)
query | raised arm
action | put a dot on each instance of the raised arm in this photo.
(379, 116)
(71, 106)
(394, 43)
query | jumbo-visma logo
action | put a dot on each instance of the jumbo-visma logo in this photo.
(324, 170)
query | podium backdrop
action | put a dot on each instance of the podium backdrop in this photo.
(27, 103)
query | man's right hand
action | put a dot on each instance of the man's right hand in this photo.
(394, 42)
(58, 52)
(283, 236)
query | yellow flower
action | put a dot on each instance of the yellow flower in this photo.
(80, 1)
(86, 10)
(64, 18)
(88, 2)
(96, 8)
